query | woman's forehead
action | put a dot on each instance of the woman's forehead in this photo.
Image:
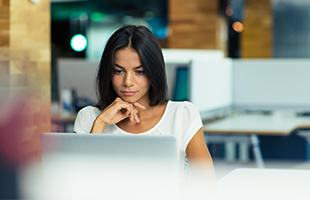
(127, 57)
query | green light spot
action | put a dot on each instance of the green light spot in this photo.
(97, 17)
(78, 42)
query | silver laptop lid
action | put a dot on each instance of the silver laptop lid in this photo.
(106, 165)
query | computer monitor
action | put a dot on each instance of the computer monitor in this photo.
(205, 83)
(180, 92)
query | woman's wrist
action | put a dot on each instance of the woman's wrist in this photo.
(98, 126)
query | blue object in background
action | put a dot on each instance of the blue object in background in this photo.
(291, 147)
(181, 84)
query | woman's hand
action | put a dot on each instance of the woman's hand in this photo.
(116, 112)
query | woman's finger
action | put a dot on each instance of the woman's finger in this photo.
(137, 119)
(129, 111)
(136, 115)
(133, 113)
(124, 109)
(137, 104)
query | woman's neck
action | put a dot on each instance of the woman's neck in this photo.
(144, 113)
(148, 117)
(149, 111)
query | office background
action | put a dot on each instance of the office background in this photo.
(34, 35)
(31, 43)
(268, 32)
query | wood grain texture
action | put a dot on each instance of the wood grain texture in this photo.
(195, 25)
(4, 29)
(25, 56)
(257, 37)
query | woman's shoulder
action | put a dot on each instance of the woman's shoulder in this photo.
(183, 109)
(181, 104)
(85, 118)
(89, 110)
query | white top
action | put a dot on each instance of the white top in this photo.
(180, 119)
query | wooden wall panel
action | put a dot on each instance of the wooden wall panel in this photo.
(25, 56)
(4, 31)
(257, 37)
(4, 47)
(195, 25)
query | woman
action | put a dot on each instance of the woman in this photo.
(131, 86)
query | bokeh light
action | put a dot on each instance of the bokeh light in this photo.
(78, 42)
(238, 26)
(229, 11)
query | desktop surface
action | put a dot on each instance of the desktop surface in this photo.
(258, 124)
(244, 130)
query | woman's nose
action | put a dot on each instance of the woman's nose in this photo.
(129, 80)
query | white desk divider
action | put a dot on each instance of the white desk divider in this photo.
(271, 83)
(187, 55)
(210, 84)
(215, 82)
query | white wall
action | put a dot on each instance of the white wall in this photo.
(187, 55)
(97, 38)
(216, 83)
(211, 84)
(78, 74)
(271, 82)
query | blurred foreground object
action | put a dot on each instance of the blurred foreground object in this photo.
(264, 184)
(10, 126)
(19, 142)
(12, 151)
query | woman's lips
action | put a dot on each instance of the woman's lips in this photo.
(128, 93)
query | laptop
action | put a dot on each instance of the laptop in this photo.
(109, 166)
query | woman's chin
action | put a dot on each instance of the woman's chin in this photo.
(129, 99)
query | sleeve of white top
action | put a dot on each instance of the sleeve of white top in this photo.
(190, 123)
(85, 119)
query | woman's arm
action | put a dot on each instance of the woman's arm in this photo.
(98, 126)
(197, 152)
(201, 163)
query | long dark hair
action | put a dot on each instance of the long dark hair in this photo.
(146, 44)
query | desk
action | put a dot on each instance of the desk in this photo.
(61, 121)
(245, 128)
(264, 184)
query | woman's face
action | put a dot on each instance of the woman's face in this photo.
(129, 80)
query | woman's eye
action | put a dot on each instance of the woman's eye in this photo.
(117, 71)
(140, 72)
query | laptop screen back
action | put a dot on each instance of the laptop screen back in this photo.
(104, 165)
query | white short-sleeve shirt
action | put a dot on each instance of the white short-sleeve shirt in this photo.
(180, 119)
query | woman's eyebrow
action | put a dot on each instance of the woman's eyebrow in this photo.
(124, 68)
